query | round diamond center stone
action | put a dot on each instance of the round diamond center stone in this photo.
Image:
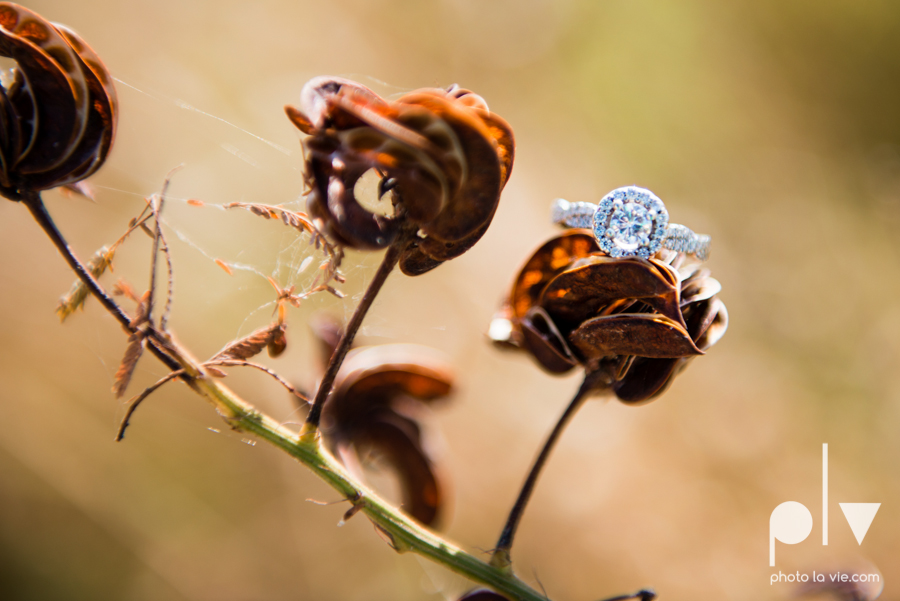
(630, 226)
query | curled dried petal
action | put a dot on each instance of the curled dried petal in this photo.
(633, 334)
(545, 264)
(377, 375)
(647, 378)
(371, 411)
(594, 282)
(545, 343)
(391, 438)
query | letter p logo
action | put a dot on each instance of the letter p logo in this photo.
(791, 522)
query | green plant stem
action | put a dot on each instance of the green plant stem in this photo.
(388, 262)
(404, 534)
(501, 557)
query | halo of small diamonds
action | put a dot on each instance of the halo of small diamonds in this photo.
(630, 222)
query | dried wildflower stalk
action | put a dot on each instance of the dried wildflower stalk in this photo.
(62, 110)
(402, 532)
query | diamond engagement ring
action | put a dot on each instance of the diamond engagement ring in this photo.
(631, 222)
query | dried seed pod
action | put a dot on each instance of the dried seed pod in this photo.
(58, 115)
(372, 412)
(442, 156)
(638, 321)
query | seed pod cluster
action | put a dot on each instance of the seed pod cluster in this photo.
(638, 321)
(58, 109)
(442, 155)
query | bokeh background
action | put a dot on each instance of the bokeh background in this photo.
(771, 125)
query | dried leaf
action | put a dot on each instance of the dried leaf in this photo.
(133, 352)
(135, 348)
(123, 288)
(78, 293)
(251, 345)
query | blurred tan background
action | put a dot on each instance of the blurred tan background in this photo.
(772, 126)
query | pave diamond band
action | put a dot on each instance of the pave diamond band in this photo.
(631, 222)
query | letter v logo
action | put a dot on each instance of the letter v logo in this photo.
(859, 516)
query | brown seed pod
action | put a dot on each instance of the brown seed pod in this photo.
(58, 116)
(442, 156)
(637, 321)
(372, 412)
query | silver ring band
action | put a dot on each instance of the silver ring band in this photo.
(631, 222)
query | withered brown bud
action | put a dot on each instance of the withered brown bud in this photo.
(442, 156)
(636, 322)
(58, 108)
(372, 412)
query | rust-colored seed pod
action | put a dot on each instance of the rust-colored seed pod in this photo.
(372, 412)
(638, 321)
(443, 158)
(58, 114)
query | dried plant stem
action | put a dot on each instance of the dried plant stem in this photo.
(391, 257)
(35, 205)
(403, 533)
(501, 556)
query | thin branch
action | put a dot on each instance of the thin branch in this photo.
(156, 207)
(36, 206)
(133, 403)
(170, 283)
(263, 368)
(501, 555)
(388, 262)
